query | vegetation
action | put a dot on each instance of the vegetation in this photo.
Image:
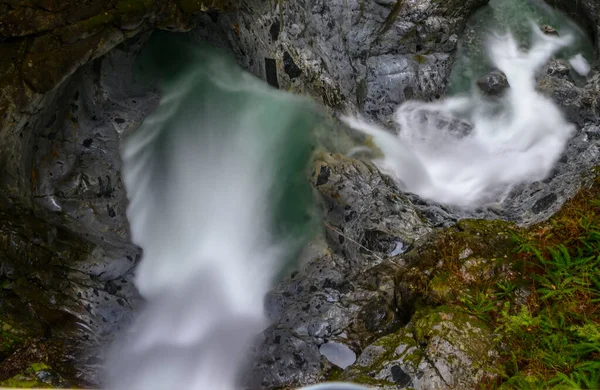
(544, 304)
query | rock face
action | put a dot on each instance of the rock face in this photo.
(370, 55)
(65, 247)
(459, 353)
(329, 300)
(439, 349)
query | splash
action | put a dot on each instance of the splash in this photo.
(468, 151)
(210, 176)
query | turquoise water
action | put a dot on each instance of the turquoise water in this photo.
(283, 125)
(515, 16)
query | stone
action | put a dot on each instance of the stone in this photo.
(368, 56)
(493, 84)
(338, 354)
(438, 349)
(549, 30)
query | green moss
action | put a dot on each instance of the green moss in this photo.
(35, 367)
(22, 382)
(10, 339)
(29, 378)
(550, 333)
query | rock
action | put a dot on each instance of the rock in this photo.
(37, 375)
(438, 349)
(330, 300)
(549, 30)
(338, 354)
(69, 221)
(513, 16)
(493, 84)
(64, 241)
(366, 55)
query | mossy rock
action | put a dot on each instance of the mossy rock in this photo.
(440, 348)
(11, 338)
(37, 375)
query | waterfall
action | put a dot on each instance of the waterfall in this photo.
(220, 202)
(219, 199)
(469, 150)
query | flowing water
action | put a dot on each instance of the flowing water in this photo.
(220, 201)
(219, 198)
(472, 60)
(468, 151)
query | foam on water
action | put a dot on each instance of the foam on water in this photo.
(516, 140)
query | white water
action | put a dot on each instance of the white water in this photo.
(580, 64)
(519, 143)
(200, 175)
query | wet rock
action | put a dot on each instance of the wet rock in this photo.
(37, 375)
(69, 221)
(62, 205)
(493, 84)
(330, 300)
(549, 30)
(366, 55)
(438, 349)
(338, 354)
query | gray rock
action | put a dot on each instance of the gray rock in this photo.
(328, 300)
(493, 84)
(77, 195)
(63, 201)
(338, 354)
(351, 54)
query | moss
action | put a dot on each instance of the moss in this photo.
(421, 59)
(37, 375)
(10, 339)
(22, 382)
(35, 367)
(531, 285)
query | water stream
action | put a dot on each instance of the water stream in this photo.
(469, 151)
(501, 16)
(219, 199)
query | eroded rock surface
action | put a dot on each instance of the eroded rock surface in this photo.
(367, 54)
